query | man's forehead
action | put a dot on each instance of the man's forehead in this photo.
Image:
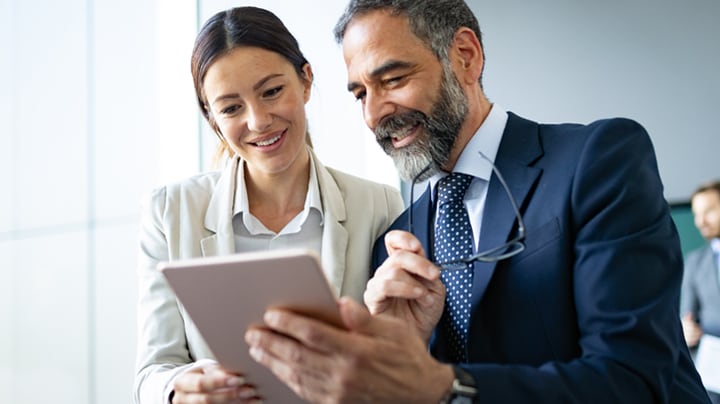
(375, 39)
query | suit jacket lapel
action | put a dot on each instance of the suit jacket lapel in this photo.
(423, 220)
(519, 148)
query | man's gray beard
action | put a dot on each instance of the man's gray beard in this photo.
(433, 146)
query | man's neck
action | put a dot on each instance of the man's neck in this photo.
(478, 110)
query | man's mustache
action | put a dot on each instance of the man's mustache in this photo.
(395, 125)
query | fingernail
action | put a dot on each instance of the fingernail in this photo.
(248, 393)
(252, 337)
(429, 299)
(256, 353)
(235, 381)
(417, 292)
(271, 318)
(433, 271)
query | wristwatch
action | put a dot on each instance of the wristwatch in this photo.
(463, 390)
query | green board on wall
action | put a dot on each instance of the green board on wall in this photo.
(690, 238)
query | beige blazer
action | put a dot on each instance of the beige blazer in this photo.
(194, 218)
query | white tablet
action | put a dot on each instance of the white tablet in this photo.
(225, 295)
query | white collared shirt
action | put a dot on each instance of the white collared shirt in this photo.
(303, 231)
(487, 141)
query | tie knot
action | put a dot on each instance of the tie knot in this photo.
(453, 187)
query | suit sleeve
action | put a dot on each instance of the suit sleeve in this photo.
(689, 302)
(626, 270)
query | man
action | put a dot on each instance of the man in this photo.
(700, 297)
(574, 295)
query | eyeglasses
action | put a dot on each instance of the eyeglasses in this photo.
(509, 249)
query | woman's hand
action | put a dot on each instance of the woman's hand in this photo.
(212, 384)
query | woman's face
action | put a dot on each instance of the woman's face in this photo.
(258, 102)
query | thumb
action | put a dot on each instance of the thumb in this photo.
(358, 319)
(354, 316)
(689, 317)
(401, 240)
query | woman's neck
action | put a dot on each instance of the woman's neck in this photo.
(275, 199)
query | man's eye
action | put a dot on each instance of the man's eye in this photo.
(360, 95)
(393, 81)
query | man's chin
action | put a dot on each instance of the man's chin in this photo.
(409, 168)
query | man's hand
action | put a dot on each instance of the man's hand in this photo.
(407, 286)
(211, 384)
(376, 359)
(691, 330)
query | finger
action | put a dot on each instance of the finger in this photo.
(379, 293)
(312, 333)
(402, 240)
(223, 396)
(357, 318)
(301, 375)
(305, 371)
(197, 382)
(411, 263)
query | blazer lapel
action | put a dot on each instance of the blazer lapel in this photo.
(218, 217)
(334, 235)
(519, 148)
(334, 245)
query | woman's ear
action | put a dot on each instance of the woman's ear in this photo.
(307, 80)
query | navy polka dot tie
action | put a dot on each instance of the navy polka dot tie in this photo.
(454, 240)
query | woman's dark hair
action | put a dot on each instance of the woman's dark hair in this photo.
(239, 27)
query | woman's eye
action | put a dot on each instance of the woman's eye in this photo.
(273, 91)
(230, 109)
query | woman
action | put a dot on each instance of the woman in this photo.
(252, 84)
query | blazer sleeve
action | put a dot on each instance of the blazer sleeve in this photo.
(626, 272)
(162, 351)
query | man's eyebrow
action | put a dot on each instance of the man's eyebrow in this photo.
(381, 70)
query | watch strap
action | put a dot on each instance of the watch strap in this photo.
(463, 389)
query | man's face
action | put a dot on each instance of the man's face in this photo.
(411, 101)
(706, 210)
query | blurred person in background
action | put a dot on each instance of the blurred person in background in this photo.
(700, 297)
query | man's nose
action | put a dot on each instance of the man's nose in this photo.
(376, 107)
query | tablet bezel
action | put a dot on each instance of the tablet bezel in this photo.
(224, 295)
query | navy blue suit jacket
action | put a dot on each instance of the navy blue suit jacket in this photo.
(588, 312)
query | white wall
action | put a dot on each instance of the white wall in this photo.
(80, 143)
(656, 61)
(96, 108)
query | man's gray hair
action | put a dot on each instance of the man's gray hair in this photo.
(435, 22)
